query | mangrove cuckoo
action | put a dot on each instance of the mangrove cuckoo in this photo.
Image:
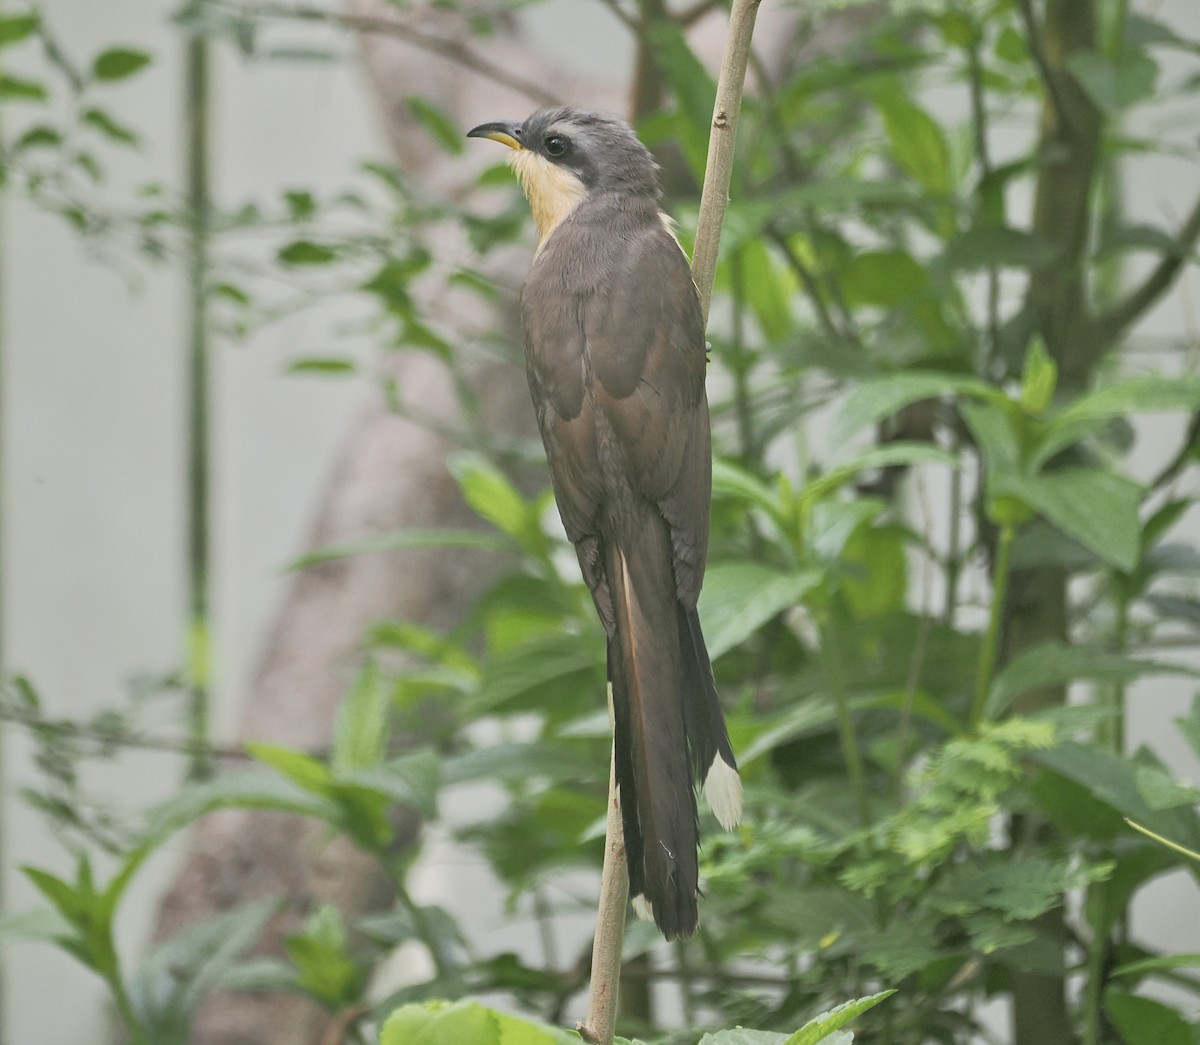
(615, 356)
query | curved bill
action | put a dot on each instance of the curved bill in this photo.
(507, 132)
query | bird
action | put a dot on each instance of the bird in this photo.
(615, 356)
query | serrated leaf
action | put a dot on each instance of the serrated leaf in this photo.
(739, 598)
(819, 1029)
(118, 63)
(1098, 509)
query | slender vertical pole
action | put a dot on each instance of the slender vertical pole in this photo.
(3, 592)
(610, 925)
(199, 652)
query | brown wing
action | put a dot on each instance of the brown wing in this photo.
(645, 341)
(634, 350)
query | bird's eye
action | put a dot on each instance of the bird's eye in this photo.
(555, 144)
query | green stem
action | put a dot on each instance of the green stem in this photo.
(991, 641)
(198, 461)
(851, 753)
(953, 545)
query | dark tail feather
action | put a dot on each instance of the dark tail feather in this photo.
(657, 801)
(708, 739)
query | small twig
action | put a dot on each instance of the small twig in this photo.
(714, 198)
(1124, 314)
(452, 50)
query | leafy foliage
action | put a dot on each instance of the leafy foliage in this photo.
(921, 796)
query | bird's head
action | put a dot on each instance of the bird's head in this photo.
(564, 155)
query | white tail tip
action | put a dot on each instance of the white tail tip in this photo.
(643, 908)
(723, 792)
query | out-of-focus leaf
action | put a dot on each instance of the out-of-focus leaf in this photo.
(739, 598)
(361, 731)
(819, 1029)
(1115, 82)
(118, 63)
(878, 398)
(1142, 1021)
(442, 129)
(1099, 509)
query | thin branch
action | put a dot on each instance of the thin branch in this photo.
(452, 50)
(121, 738)
(610, 920)
(809, 281)
(1037, 51)
(714, 199)
(689, 16)
(1138, 302)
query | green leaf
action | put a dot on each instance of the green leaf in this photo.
(303, 770)
(740, 597)
(917, 142)
(110, 128)
(326, 969)
(118, 63)
(819, 1029)
(1152, 393)
(39, 136)
(1163, 963)
(38, 923)
(442, 129)
(985, 246)
(305, 252)
(1098, 509)
(1039, 379)
(178, 973)
(465, 1023)
(335, 367)
(22, 90)
(412, 779)
(741, 1036)
(1115, 83)
(879, 398)
(885, 278)
(17, 27)
(1054, 664)
(361, 731)
(493, 496)
(1142, 1021)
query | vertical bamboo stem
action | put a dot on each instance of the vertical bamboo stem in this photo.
(199, 653)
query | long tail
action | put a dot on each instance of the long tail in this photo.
(665, 709)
